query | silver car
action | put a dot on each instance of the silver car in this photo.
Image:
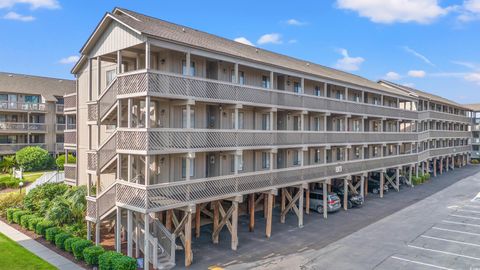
(316, 201)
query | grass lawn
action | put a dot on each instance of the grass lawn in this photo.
(14, 256)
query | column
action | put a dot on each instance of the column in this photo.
(397, 179)
(129, 232)
(382, 183)
(99, 75)
(345, 193)
(236, 118)
(146, 242)
(189, 118)
(325, 195)
(119, 62)
(272, 78)
(118, 227)
(362, 185)
(236, 79)
(148, 57)
(187, 64)
(271, 120)
(147, 111)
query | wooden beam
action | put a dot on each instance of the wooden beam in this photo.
(251, 207)
(197, 220)
(282, 205)
(307, 200)
(382, 182)
(188, 239)
(168, 220)
(268, 221)
(234, 229)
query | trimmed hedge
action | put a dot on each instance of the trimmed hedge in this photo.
(91, 254)
(68, 243)
(106, 260)
(42, 226)
(60, 239)
(10, 212)
(25, 219)
(32, 223)
(124, 263)
(18, 214)
(51, 232)
(79, 246)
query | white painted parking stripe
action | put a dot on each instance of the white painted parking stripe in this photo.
(445, 252)
(462, 216)
(471, 206)
(421, 263)
(450, 241)
(476, 198)
(468, 211)
(461, 223)
(455, 231)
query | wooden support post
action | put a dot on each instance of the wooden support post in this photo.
(129, 233)
(251, 206)
(268, 222)
(300, 207)
(264, 196)
(198, 211)
(382, 183)
(118, 228)
(362, 186)
(168, 220)
(307, 200)
(216, 206)
(146, 242)
(345, 194)
(325, 201)
(366, 185)
(282, 205)
(397, 179)
(188, 239)
(434, 167)
(234, 228)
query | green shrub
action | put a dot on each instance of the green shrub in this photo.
(7, 164)
(59, 211)
(10, 212)
(68, 243)
(51, 232)
(18, 214)
(38, 199)
(25, 219)
(32, 223)
(60, 161)
(79, 246)
(60, 239)
(475, 161)
(106, 260)
(91, 254)
(78, 229)
(427, 176)
(124, 263)
(33, 158)
(9, 182)
(42, 226)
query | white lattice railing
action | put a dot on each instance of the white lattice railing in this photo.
(70, 172)
(70, 136)
(156, 83)
(96, 160)
(425, 115)
(100, 205)
(70, 102)
(108, 98)
(48, 177)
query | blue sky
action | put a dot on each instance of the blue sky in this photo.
(429, 44)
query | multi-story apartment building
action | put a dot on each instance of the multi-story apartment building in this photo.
(175, 125)
(31, 112)
(475, 108)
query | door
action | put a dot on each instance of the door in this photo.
(211, 161)
(12, 101)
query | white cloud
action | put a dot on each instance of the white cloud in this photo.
(18, 17)
(34, 4)
(273, 38)
(244, 41)
(348, 63)
(417, 73)
(418, 55)
(295, 22)
(470, 11)
(411, 85)
(293, 41)
(469, 65)
(473, 77)
(392, 76)
(391, 11)
(69, 60)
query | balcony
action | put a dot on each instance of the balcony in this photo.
(70, 103)
(476, 141)
(11, 148)
(154, 83)
(180, 140)
(70, 172)
(70, 138)
(60, 127)
(425, 115)
(59, 108)
(449, 134)
(22, 127)
(59, 147)
(23, 107)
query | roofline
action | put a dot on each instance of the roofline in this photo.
(36, 76)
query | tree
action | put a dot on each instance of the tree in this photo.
(7, 164)
(33, 158)
(60, 161)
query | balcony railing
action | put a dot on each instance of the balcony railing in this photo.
(10, 148)
(70, 137)
(59, 108)
(21, 106)
(15, 126)
(70, 102)
(171, 140)
(59, 147)
(424, 115)
(160, 84)
(70, 172)
(60, 127)
(476, 141)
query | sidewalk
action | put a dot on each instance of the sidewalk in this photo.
(37, 248)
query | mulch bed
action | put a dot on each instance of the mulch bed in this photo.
(47, 244)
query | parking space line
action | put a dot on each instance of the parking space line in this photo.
(461, 223)
(455, 231)
(471, 206)
(461, 216)
(468, 211)
(420, 263)
(451, 241)
(445, 252)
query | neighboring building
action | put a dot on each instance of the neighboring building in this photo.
(475, 130)
(171, 119)
(31, 112)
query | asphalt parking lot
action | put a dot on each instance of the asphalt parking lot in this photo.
(291, 247)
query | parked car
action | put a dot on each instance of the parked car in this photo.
(374, 186)
(354, 200)
(316, 201)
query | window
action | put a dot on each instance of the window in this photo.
(339, 123)
(296, 121)
(339, 154)
(316, 157)
(317, 91)
(240, 163)
(296, 87)
(240, 120)
(357, 152)
(110, 76)
(356, 125)
(375, 151)
(192, 68)
(316, 124)
(184, 167)
(339, 95)
(265, 160)
(265, 121)
(356, 97)
(265, 82)
(32, 99)
(296, 158)
(376, 101)
(192, 118)
(242, 77)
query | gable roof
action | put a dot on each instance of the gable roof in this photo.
(187, 36)
(422, 94)
(48, 88)
(473, 107)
